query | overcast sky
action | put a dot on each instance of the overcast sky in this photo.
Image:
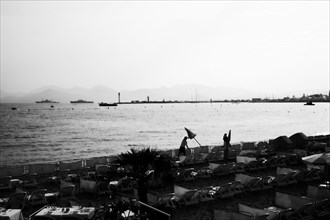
(261, 46)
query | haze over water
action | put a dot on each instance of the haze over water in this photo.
(37, 133)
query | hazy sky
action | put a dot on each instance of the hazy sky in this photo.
(262, 46)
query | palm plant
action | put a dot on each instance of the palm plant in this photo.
(142, 160)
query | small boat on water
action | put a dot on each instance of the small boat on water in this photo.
(80, 101)
(46, 101)
(107, 104)
(309, 103)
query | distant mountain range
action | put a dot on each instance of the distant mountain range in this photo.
(190, 92)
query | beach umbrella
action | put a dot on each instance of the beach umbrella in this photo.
(191, 135)
(127, 214)
(318, 159)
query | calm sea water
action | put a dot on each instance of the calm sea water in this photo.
(38, 133)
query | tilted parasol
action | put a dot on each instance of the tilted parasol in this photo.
(191, 135)
(318, 159)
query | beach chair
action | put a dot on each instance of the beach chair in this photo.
(283, 179)
(271, 162)
(17, 201)
(206, 194)
(291, 177)
(124, 184)
(236, 187)
(29, 180)
(266, 182)
(37, 197)
(223, 169)
(322, 208)
(251, 166)
(237, 168)
(223, 191)
(187, 175)
(261, 164)
(306, 212)
(5, 183)
(189, 159)
(253, 185)
(168, 201)
(279, 180)
(190, 197)
(312, 175)
(204, 173)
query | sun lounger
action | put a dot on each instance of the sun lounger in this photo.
(306, 212)
(186, 175)
(223, 169)
(271, 162)
(17, 201)
(237, 187)
(253, 185)
(261, 164)
(322, 208)
(37, 197)
(237, 168)
(168, 201)
(252, 165)
(223, 191)
(124, 184)
(266, 183)
(284, 179)
(204, 173)
(190, 197)
(189, 159)
(259, 214)
(317, 192)
(206, 194)
(312, 175)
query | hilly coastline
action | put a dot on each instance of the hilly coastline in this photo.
(191, 92)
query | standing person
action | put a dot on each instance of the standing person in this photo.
(183, 146)
(226, 144)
